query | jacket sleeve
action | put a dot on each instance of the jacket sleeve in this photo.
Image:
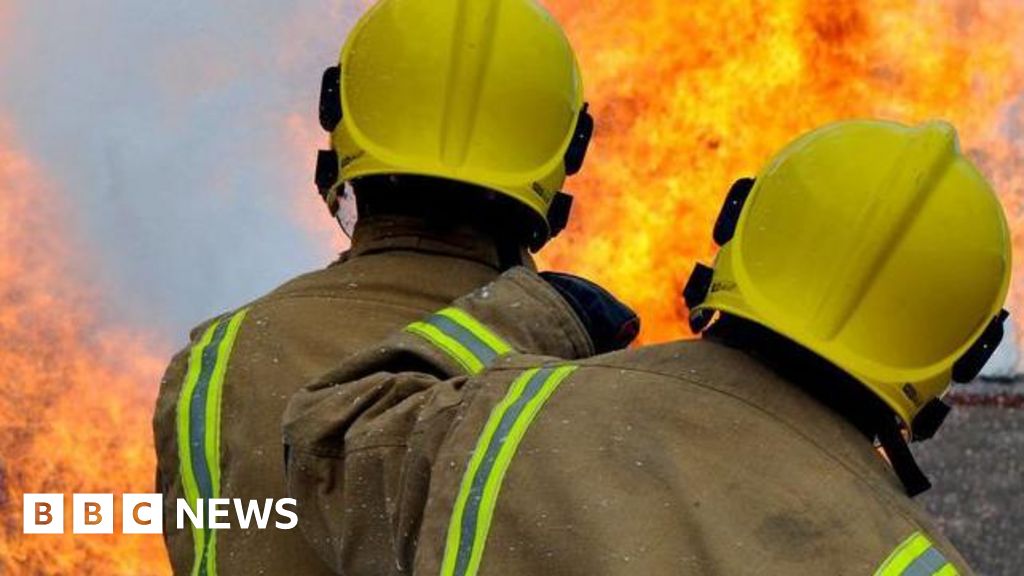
(360, 441)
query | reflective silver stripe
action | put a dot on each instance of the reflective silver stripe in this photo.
(927, 564)
(916, 556)
(484, 353)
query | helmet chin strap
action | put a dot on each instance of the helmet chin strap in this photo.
(338, 196)
(931, 417)
(346, 229)
(341, 201)
(890, 436)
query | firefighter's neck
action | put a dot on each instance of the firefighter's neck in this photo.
(379, 232)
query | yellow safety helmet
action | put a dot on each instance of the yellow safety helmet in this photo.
(877, 246)
(483, 92)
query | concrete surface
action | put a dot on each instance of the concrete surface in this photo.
(976, 463)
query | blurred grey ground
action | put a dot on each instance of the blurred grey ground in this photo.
(976, 463)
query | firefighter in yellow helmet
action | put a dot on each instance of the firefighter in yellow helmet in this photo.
(453, 127)
(862, 270)
(487, 94)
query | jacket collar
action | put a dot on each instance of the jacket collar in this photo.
(743, 376)
(389, 233)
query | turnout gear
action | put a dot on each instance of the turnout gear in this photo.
(356, 479)
(487, 93)
(217, 421)
(690, 457)
(432, 99)
(879, 247)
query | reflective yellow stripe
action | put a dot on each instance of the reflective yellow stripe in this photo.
(199, 415)
(903, 555)
(213, 428)
(449, 345)
(471, 344)
(478, 494)
(916, 557)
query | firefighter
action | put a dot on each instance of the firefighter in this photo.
(859, 273)
(453, 127)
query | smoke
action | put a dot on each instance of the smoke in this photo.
(174, 132)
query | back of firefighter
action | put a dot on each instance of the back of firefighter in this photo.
(860, 272)
(453, 155)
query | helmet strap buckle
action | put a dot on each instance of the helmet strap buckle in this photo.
(694, 294)
(327, 170)
(698, 286)
(729, 217)
(968, 366)
(929, 419)
(580, 143)
(330, 99)
(327, 179)
(558, 213)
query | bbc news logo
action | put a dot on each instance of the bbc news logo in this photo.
(144, 514)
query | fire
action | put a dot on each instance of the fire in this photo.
(690, 96)
(74, 401)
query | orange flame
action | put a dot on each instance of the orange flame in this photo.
(74, 412)
(690, 96)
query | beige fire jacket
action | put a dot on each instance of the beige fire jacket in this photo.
(217, 421)
(685, 458)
